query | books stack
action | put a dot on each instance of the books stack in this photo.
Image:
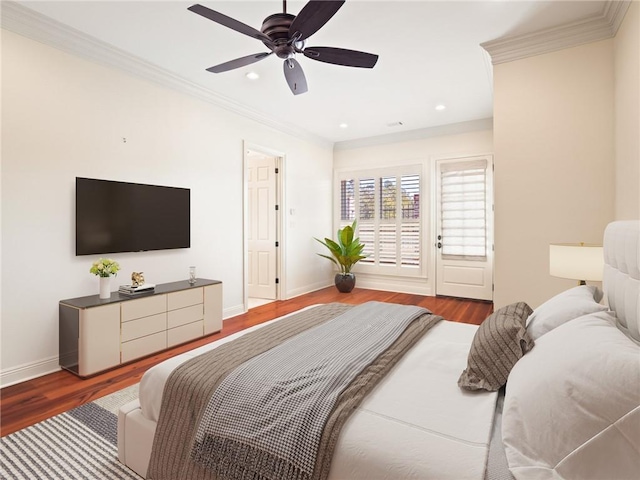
(138, 290)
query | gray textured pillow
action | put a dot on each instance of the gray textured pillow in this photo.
(501, 340)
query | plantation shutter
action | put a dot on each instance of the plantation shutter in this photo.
(347, 202)
(387, 207)
(366, 218)
(387, 230)
(410, 233)
(463, 201)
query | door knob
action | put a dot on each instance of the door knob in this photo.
(439, 237)
(439, 245)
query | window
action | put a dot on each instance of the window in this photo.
(463, 203)
(386, 204)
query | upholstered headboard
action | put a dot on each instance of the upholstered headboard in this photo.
(621, 282)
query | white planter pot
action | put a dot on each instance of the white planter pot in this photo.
(105, 287)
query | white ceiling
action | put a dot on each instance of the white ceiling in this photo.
(430, 54)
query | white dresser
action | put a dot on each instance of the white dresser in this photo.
(96, 334)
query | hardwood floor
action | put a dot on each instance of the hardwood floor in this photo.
(35, 400)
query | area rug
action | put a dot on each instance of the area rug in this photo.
(78, 444)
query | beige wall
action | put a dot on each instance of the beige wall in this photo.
(627, 115)
(554, 163)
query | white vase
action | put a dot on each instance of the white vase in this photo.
(105, 287)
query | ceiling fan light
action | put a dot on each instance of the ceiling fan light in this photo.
(440, 107)
(252, 76)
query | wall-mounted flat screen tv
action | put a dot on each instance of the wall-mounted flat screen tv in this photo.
(114, 217)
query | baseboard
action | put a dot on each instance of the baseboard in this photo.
(308, 289)
(414, 286)
(27, 371)
(232, 312)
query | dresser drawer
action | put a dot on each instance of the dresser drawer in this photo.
(143, 307)
(184, 333)
(144, 326)
(184, 298)
(175, 318)
(143, 346)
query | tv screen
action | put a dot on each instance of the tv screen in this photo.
(113, 217)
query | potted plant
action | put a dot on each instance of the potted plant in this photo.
(345, 253)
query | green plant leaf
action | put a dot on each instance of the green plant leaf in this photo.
(346, 252)
(346, 236)
(330, 258)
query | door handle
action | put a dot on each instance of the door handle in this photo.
(439, 237)
(439, 245)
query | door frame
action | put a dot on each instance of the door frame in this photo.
(280, 224)
(433, 226)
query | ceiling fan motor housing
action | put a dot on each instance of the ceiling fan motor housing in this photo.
(276, 27)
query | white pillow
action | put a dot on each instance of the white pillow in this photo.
(565, 306)
(572, 404)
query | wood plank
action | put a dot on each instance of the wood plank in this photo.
(35, 400)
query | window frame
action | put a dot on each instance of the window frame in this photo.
(380, 173)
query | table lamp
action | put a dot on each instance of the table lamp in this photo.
(579, 261)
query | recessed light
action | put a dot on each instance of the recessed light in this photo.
(440, 107)
(343, 125)
(252, 76)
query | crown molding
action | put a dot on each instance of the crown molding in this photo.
(417, 134)
(590, 29)
(33, 25)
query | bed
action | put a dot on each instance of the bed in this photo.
(571, 407)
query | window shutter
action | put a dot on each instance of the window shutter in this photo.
(388, 199)
(386, 204)
(463, 204)
(367, 235)
(410, 234)
(347, 200)
(366, 218)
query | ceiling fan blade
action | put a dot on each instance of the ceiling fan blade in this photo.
(341, 56)
(312, 17)
(295, 76)
(229, 22)
(238, 62)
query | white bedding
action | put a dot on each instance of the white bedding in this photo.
(416, 423)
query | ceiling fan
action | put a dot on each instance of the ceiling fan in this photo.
(285, 35)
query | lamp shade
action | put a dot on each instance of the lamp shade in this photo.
(578, 261)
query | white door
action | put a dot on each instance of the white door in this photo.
(261, 189)
(464, 227)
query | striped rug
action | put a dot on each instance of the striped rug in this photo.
(78, 444)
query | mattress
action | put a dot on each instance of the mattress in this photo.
(417, 423)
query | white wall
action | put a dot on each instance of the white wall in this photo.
(627, 115)
(415, 152)
(64, 117)
(554, 163)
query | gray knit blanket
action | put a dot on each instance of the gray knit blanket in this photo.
(266, 418)
(192, 385)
